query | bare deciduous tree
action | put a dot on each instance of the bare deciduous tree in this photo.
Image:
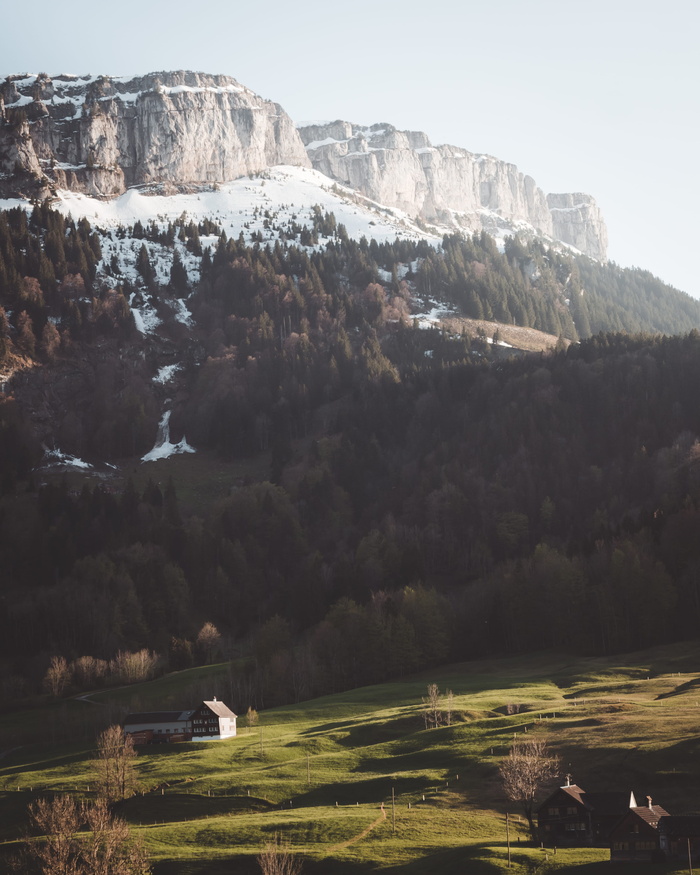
(88, 671)
(58, 676)
(131, 668)
(449, 706)
(432, 712)
(106, 849)
(525, 770)
(251, 716)
(115, 766)
(60, 820)
(208, 641)
(276, 858)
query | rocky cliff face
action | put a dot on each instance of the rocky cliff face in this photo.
(101, 135)
(577, 220)
(402, 169)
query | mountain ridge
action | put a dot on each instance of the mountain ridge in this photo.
(450, 185)
(102, 135)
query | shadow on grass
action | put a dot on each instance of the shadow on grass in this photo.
(178, 807)
(680, 689)
(369, 733)
(20, 763)
(247, 865)
(369, 792)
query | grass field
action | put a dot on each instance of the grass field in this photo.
(321, 773)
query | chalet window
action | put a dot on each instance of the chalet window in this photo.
(572, 810)
(553, 811)
(645, 846)
(620, 846)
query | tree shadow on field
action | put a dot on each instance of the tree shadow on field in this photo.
(368, 792)
(22, 762)
(472, 858)
(247, 865)
(368, 733)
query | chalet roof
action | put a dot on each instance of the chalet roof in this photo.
(601, 803)
(615, 802)
(576, 793)
(680, 826)
(154, 717)
(220, 709)
(650, 814)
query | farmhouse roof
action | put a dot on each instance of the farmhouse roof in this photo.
(219, 708)
(157, 717)
(650, 814)
(680, 826)
(610, 803)
(601, 803)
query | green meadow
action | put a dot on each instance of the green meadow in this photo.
(321, 774)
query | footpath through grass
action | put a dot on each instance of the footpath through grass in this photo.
(321, 773)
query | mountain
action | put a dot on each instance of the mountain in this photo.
(101, 135)
(330, 380)
(449, 185)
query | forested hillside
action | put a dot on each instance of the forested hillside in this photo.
(428, 496)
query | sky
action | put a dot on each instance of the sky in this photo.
(599, 97)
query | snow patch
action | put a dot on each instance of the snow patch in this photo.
(164, 448)
(166, 373)
(55, 458)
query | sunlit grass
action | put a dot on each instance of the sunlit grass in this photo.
(322, 773)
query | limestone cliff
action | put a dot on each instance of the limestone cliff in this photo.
(577, 220)
(104, 134)
(449, 185)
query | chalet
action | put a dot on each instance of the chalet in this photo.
(210, 721)
(572, 816)
(213, 720)
(636, 837)
(679, 837)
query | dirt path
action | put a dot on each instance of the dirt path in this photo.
(359, 836)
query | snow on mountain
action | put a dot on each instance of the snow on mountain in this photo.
(288, 194)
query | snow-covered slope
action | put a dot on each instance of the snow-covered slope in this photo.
(286, 193)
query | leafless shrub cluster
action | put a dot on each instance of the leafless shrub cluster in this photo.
(437, 709)
(63, 845)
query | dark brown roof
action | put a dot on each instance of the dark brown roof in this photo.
(157, 717)
(608, 803)
(615, 803)
(650, 814)
(220, 709)
(576, 793)
(680, 826)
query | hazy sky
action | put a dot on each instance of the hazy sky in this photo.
(600, 97)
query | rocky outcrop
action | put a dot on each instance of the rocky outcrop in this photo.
(101, 135)
(577, 220)
(446, 184)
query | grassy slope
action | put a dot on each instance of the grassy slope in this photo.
(618, 724)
